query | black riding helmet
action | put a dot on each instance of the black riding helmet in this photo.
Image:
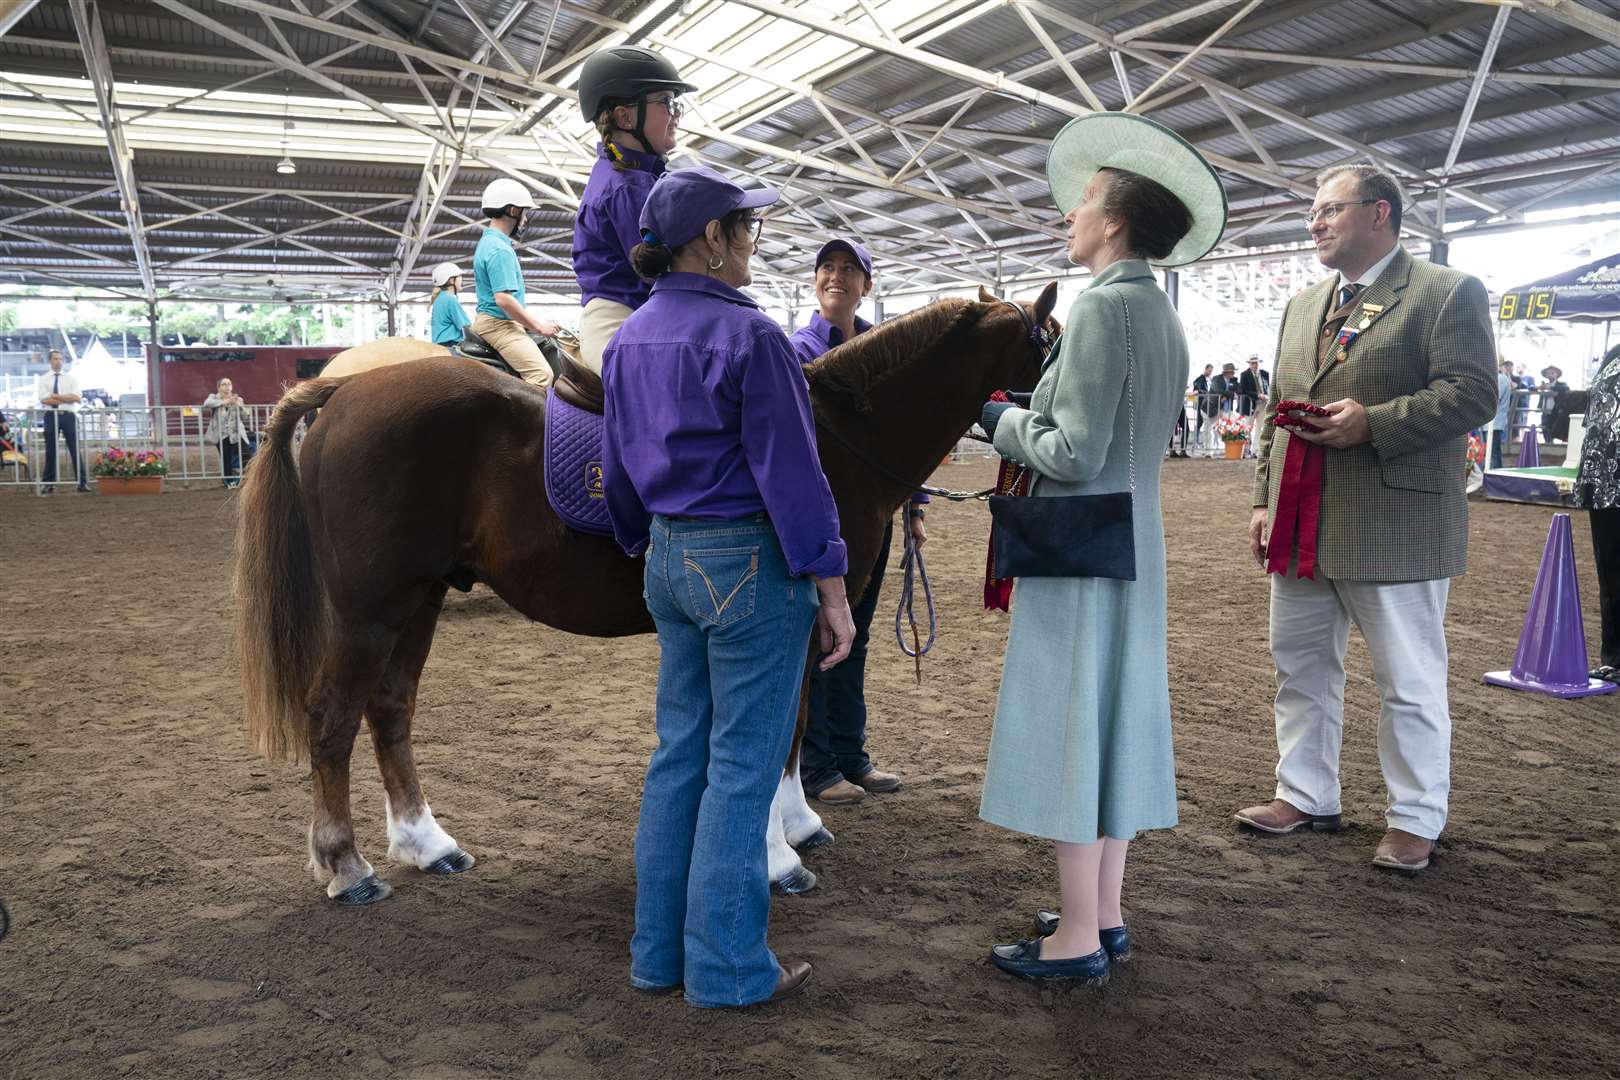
(625, 75)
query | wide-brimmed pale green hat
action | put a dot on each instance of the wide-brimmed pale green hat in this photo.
(1109, 140)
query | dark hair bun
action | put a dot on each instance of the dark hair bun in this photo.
(651, 260)
(1156, 219)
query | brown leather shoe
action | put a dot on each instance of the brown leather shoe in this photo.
(794, 978)
(878, 783)
(1401, 850)
(1280, 816)
(840, 794)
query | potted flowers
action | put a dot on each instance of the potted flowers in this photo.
(1233, 431)
(130, 472)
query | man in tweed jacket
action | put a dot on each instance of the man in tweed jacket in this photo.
(1400, 353)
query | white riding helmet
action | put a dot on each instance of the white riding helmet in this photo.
(444, 272)
(505, 192)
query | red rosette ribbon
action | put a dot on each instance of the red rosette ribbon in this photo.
(1299, 495)
(1011, 479)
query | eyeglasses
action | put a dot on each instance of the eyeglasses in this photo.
(674, 104)
(1331, 210)
(756, 225)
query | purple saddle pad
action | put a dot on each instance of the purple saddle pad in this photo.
(574, 466)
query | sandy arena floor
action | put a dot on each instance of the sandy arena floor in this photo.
(164, 926)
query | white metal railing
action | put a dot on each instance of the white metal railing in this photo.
(179, 431)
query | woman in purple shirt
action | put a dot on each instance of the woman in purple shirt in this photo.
(709, 464)
(835, 765)
(632, 95)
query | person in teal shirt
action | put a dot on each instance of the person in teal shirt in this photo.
(500, 318)
(448, 321)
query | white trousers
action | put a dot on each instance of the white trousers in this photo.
(1404, 626)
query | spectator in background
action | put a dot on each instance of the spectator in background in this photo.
(1554, 419)
(1504, 408)
(1225, 387)
(1521, 405)
(59, 396)
(1209, 407)
(1255, 386)
(228, 428)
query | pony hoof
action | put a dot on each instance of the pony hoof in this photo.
(368, 890)
(820, 838)
(453, 863)
(799, 882)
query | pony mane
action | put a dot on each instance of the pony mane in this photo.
(857, 367)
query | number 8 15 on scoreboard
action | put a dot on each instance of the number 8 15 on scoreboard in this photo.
(1531, 305)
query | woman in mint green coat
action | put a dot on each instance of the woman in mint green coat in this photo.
(1081, 751)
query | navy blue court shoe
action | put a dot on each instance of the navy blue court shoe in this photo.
(1116, 939)
(1024, 960)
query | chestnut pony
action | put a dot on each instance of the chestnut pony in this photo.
(427, 475)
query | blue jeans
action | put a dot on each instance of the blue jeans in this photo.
(733, 632)
(236, 456)
(835, 740)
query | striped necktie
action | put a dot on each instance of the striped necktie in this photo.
(1348, 293)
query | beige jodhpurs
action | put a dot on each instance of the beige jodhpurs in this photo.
(512, 341)
(598, 323)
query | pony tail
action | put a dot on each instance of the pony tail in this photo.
(280, 601)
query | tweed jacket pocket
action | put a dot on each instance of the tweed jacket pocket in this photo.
(1413, 476)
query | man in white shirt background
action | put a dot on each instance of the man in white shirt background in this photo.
(59, 398)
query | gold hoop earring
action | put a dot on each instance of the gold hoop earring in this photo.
(716, 263)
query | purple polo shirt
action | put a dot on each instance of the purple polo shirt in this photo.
(817, 337)
(609, 225)
(708, 416)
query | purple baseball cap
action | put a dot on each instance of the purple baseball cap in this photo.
(684, 201)
(855, 248)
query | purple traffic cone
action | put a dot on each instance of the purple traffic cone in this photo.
(1552, 646)
(1529, 450)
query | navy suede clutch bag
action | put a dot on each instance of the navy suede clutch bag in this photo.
(1064, 536)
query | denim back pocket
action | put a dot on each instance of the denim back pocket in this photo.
(722, 583)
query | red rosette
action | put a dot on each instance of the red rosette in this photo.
(1285, 420)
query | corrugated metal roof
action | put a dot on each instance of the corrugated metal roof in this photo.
(48, 153)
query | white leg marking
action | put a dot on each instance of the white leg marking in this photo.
(780, 857)
(419, 840)
(799, 822)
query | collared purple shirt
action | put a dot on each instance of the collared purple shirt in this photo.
(708, 416)
(609, 225)
(818, 337)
